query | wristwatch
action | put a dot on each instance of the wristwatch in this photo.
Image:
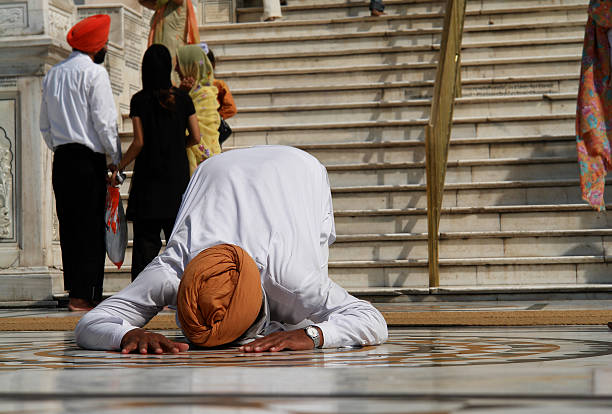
(313, 333)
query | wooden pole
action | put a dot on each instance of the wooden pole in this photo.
(438, 130)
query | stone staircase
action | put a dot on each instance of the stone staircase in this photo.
(355, 92)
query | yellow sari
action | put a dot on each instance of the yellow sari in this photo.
(193, 63)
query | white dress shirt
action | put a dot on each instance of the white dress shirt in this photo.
(78, 107)
(274, 202)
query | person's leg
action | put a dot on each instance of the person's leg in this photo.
(60, 179)
(377, 8)
(272, 10)
(80, 189)
(147, 242)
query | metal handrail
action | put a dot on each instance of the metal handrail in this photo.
(438, 129)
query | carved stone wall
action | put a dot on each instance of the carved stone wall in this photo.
(8, 157)
(13, 17)
(216, 11)
(60, 21)
(127, 44)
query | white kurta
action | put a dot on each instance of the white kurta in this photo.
(275, 203)
(78, 107)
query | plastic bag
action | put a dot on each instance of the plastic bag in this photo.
(116, 226)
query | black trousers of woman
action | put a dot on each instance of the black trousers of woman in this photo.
(147, 241)
(79, 184)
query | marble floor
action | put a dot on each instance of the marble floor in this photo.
(561, 369)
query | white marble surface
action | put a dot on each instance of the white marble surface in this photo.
(450, 370)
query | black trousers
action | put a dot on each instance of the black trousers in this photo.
(147, 241)
(79, 184)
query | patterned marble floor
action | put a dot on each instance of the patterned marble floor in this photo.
(444, 370)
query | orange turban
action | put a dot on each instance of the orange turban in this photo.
(90, 34)
(219, 296)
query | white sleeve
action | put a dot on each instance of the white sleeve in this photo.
(104, 114)
(45, 125)
(103, 328)
(346, 320)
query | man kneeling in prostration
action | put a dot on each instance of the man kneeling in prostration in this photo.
(246, 265)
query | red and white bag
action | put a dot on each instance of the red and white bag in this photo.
(116, 226)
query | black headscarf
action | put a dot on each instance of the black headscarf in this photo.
(156, 68)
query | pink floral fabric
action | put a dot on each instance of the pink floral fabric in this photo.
(594, 110)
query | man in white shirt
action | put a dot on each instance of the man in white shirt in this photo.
(78, 122)
(266, 207)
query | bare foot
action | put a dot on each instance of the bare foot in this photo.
(271, 18)
(79, 305)
(377, 13)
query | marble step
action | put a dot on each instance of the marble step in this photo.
(409, 109)
(473, 244)
(309, 43)
(389, 131)
(481, 272)
(460, 149)
(414, 150)
(399, 91)
(296, 10)
(471, 5)
(430, 19)
(463, 171)
(481, 219)
(481, 194)
(458, 171)
(384, 131)
(473, 275)
(457, 219)
(407, 72)
(399, 54)
(456, 195)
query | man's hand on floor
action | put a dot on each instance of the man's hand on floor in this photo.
(290, 340)
(142, 341)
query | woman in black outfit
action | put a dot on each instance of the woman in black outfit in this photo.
(160, 115)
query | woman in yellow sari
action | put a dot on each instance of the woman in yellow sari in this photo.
(195, 71)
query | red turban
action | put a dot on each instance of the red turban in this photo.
(220, 295)
(90, 34)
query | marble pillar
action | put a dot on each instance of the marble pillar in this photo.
(32, 38)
